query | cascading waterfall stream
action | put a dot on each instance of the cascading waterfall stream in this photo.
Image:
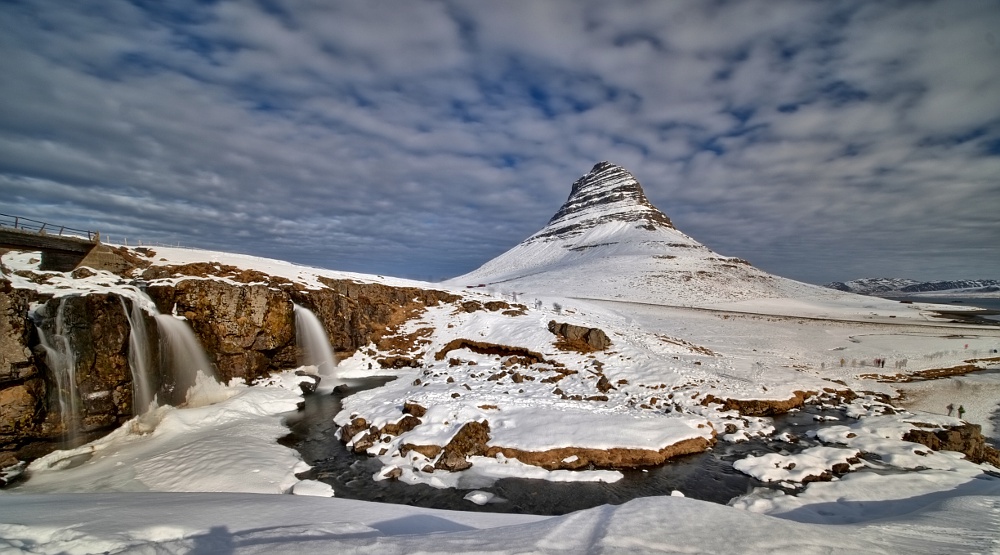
(61, 360)
(181, 353)
(139, 359)
(314, 346)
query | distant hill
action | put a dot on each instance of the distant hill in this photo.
(608, 242)
(890, 287)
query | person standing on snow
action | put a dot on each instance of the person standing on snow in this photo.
(961, 411)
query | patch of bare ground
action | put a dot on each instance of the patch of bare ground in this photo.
(212, 269)
(761, 407)
(492, 306)
(971, 365)
(399, 350)
(484, 348)
(573, 345)
(132, 260)
(576, 458)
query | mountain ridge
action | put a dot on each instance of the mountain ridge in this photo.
(607, 193)
(904, 286)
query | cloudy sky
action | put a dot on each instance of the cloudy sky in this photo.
(819, 140)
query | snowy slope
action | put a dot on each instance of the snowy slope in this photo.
(608, 242)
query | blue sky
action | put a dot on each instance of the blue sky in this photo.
(819, 140)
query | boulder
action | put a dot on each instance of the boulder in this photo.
(469, 441)
(967, 438)
(579, 338)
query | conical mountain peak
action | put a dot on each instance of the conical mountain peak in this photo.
(608, 193)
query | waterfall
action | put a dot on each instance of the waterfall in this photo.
(139, 359)
(61, 360)
(314, 345)
(181, 354)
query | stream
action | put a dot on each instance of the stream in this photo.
(707, 476)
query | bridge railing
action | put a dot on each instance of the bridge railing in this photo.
(27, 224)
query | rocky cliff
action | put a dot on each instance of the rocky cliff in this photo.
(607, 193)
(243, 319)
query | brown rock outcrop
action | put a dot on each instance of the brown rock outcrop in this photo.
(414, 409)
(579, 338)
(967, 438)
(483, 348)
(23, 389)
(403, 425)
(761, 407)
(248, 331)
(356, 314)
(469, 441)
(574, 458)
(98, 331)
(16, 363)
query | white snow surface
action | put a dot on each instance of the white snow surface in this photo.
(246, 523)
(190, 479)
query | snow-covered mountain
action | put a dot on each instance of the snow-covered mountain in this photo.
(903, 286)
(609, 242)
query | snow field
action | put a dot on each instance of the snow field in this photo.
(908, 500)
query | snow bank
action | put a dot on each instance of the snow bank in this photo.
(240, 523)
(229, 446)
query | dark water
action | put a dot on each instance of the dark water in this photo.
(707, 476)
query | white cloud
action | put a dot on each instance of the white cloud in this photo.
(422, 138)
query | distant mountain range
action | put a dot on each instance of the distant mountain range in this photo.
(889, 287)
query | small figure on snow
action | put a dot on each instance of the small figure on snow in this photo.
(950, 408)
(961, 411)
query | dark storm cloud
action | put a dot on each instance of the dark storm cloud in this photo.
(819, 140)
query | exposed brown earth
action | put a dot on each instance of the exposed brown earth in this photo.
(613, 458)
(469, 441)
(484, 348)
(967, 439)
(210, 269)
(761, 407)
(971, 365)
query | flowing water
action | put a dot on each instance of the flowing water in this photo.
(181, 354)
(139, 359)
(314, 346)
(60, 357)
(708, 476)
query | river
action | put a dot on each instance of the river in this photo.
(707, 476)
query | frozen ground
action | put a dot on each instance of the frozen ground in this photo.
(144, 478)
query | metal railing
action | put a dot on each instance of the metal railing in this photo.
(42, 228)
